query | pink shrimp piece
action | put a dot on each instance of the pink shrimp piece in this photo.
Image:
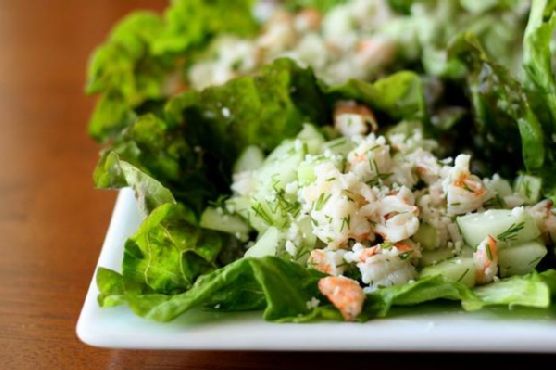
(486, 260)
(345, 294)
(319, 261)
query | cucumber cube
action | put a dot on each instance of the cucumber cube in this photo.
(456, 269)
(507, 226)
(520, 259)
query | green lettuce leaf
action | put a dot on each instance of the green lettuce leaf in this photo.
(399, 95)
(166, 167)
(112, 173)
(507, 129)
(169, 250)
(192, 23)
(539, 78)
(144, 56)
(527, 291)
(282, 288)
(264, 110)
(111, 288)
(321, 5)
(549, 277)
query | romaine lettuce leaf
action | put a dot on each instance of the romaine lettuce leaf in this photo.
(111, 288)
(112, 172)
(169, 250)
(321, 5)
(506, 125)
(539, 77)
(530, 290)
(145, 54)
(282, 288)
(399, 95)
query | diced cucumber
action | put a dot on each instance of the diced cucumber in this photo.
(432, 257)
(499, 186)
(341, 146)
(507, 226)
(426, 235)
(251, 159)
(243, 206)
(215, 219)
(312, 138)
(266, 245)
(308, 240)
(280, 169)
(466, 251)
(458, 269)
(306, 173)
(529, 187)
(520, 259)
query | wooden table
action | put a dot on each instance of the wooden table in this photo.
(52, 221)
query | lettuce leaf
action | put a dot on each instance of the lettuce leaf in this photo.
(321, 5)
(399, 95)
(531, 290)
(160, 165)
(112, 172)
(281, 288)
(539, 78)
(264, 109)
(169, 250)
(144, 54)
(506, 126)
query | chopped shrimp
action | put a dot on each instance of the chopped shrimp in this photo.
(308, 19)
(345, 294)
(367, 253)
(320, 261)
(396, 216)
(465, 192)
(375, 52)
(353, 119)
(546, 220)
(485, 259)
(327, 261)
(404, 247)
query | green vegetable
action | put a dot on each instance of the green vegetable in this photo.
(527, 291)
(432, 257)
(112, 172)
(144, 54)
(529, 187)
(520, 259)
(426, 235)
(531, 290)
(322, 5)
(399, 95)
(279, 287)
(501, 108)
(263, 110)
(169, 251)
(455, 269)
(267, 245)
(216, 219)
(539, 77)
(502, 224)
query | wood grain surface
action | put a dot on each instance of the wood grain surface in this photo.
(52, 221)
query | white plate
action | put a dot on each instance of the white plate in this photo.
(446, 329)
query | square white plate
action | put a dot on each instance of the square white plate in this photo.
(446, 329)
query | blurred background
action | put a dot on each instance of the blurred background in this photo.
(52, 221)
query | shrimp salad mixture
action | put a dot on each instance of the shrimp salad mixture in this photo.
(373, 211)
(331, 160)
